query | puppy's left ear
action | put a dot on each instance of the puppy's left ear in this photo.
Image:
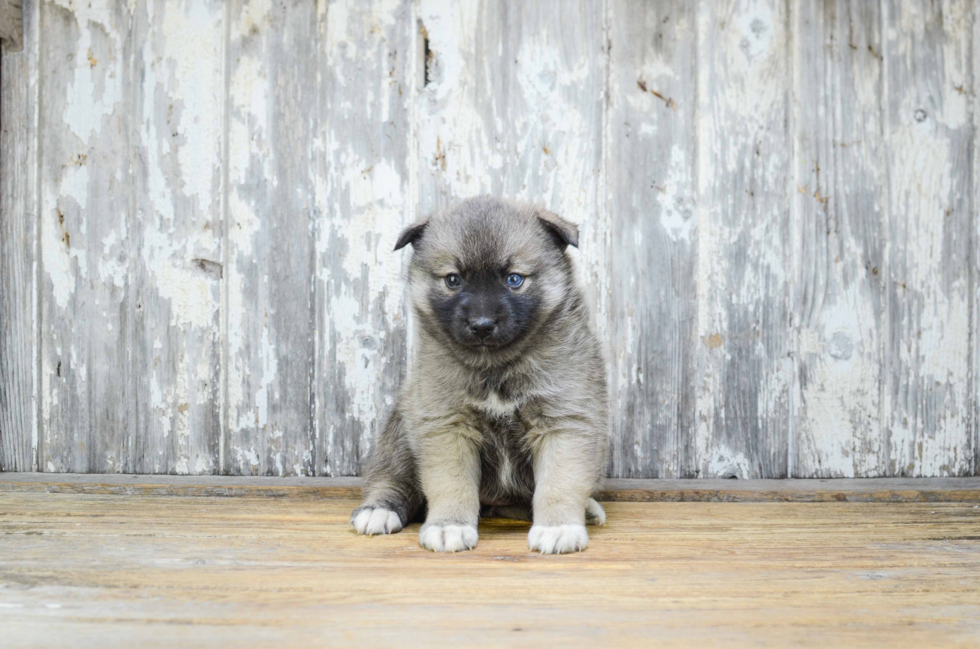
(564, 232)
(411, 234)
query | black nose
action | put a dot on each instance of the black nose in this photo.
(482, 327)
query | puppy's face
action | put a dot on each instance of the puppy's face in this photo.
(487, 273)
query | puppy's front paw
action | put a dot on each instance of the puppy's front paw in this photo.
(448, 537)
(557, 539)
(371, 520)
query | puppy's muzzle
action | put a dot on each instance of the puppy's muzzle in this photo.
(482, 328)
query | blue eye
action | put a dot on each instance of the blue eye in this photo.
(453, 280)
(514, 280)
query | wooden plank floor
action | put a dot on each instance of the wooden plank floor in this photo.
(108, 570)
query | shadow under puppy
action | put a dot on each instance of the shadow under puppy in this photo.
(505, 406)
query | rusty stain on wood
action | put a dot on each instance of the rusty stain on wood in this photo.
(667, 100)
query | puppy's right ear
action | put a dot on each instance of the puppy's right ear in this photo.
(565, 233)
(411, 234)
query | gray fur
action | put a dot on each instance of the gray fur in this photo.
(515, 423)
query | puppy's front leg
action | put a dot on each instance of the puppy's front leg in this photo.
(449, 469)
(565, 474)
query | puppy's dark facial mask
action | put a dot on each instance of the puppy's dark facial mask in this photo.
(485, 308)
(485, 273)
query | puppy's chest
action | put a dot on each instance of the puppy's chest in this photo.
(501, 408)
(507, 476)
(496, 406)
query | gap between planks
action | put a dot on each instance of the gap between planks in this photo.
(894, 490)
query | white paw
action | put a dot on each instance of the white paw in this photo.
(376, 520)
(557, 539)
(594, 513)
(448, 538)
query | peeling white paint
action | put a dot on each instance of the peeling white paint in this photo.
(538, 128)
(96, 88)
(677, 206)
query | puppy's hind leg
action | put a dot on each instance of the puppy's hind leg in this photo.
(594, 513)
(392, 496)
(512, 512)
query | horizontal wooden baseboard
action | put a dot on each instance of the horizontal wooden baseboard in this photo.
(614, 490)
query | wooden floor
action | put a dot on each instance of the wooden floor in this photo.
(102, 570)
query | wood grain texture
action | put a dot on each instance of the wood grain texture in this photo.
(975, 251)
(175, 296)
(220, 572)
(363, 200)
(745, 370)
(18, 252)
(929, 92)
(650, 170)
(130, 175)
(840, 204)
(891, 490)
(273, 101)
(88, 125)
(513, 105)
(777, 203)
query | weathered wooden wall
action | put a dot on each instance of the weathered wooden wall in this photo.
(778, 201)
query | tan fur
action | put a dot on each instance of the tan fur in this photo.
(535, 409)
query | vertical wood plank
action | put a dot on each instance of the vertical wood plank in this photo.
(744, 239)
(130, 175)
(175, 243)
(86, 198)
(929, 91)
(272, 63)
(975, 250)
(511, 104)
(840, 192)
(18, 248)
(650, 166)
(362, 202)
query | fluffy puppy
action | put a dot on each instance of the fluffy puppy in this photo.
(505, 407)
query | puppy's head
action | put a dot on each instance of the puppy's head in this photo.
(486, 273)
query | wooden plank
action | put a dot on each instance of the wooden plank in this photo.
(177, 285)
(209, 486)
(18, 253)
(876, 490)
(363, 200)
(614, 490)
(929, 90)
(130, 181)
(272, 69)
(529, 127)
(839, 211)
(975, 250)
(223, 572)
(650, 159)
(744, 254)
(87, 199)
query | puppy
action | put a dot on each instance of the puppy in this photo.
(505, 407)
